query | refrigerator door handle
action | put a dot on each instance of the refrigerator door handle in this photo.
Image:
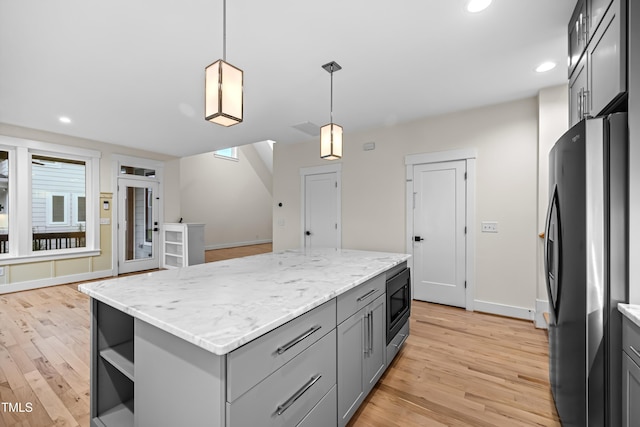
(552, 249)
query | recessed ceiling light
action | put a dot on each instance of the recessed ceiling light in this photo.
(64, 119)
(475, 6)
(546, 66)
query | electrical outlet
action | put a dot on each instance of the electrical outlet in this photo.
(489, 226)
(1, 271)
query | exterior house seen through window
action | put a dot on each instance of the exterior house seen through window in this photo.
(57, 208)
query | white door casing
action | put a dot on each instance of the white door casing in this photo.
(439, 227)
(440, 269)
(138, 225)
(321, 219)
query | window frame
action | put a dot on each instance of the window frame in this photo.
(49, 208)
(20, 226)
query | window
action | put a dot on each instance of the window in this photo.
(59, 186)
(227, 153)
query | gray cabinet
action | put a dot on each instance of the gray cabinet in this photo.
(361, 356)
(630, 374)
(597, 57)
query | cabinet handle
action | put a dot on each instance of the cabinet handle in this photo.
(365, 296)
(280, 410)
(365, 330)
(635, 351)
(296, 340)
(580, 101)
(370, 332)
(585, 104)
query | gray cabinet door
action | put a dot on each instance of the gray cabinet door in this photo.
(596, 11)
(577, 34)
(607, 61)
(351, 344)
(375, 358)
(630, 392)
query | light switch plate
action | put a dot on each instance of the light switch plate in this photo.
(105, 221)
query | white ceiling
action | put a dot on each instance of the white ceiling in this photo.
(132, 72)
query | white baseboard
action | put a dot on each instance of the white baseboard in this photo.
(542, 306)
(236, 244)
(53, 281)
(503, 310)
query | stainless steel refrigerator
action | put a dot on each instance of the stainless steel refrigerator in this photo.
(586, 269)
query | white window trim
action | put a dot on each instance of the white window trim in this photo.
(20, 225)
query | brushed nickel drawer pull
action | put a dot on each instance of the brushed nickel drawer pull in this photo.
(404, 338)
(635, 351)
(295, 341)
(365, 296)
(297, 395)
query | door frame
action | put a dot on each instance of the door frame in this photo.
(469, 156)
(117, 162)
(316, 170)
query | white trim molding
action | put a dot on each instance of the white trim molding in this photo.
(52, 281)
(504, 310)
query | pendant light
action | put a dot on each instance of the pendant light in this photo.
(223, 86)
(331, 134)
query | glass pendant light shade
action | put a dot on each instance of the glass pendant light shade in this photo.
(223, 93)
(331, 142)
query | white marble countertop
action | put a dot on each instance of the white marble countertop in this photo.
(631, 311)
(222, 305)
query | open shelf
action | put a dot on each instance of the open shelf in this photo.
(119, 416)
(121, 358)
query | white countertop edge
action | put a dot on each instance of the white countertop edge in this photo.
(238, 342)
(631, 312)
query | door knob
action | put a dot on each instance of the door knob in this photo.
(417, 238)
(308, 233)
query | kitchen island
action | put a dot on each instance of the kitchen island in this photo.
(251, 341)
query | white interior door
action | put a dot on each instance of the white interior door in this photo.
(137, 225)
(321, 211)
(439, 245)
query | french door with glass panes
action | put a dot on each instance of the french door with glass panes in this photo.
(137, 225)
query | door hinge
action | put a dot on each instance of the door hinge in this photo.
(465, 175)
(336, 225)
(465, 229)
(465, 284)
(336, 184)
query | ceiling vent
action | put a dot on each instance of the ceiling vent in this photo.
(309, 128)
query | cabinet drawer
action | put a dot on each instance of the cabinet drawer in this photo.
(631, 339)
(290, 393)
(254, 361)
(397, 342)
(353, 300)
(324, 412)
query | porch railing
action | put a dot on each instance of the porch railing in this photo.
(49, 241)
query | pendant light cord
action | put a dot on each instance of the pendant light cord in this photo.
(224, 30)
(331, 105)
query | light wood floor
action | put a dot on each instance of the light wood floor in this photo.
(456, 369)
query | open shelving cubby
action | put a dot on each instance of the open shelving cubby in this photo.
(113, 382)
